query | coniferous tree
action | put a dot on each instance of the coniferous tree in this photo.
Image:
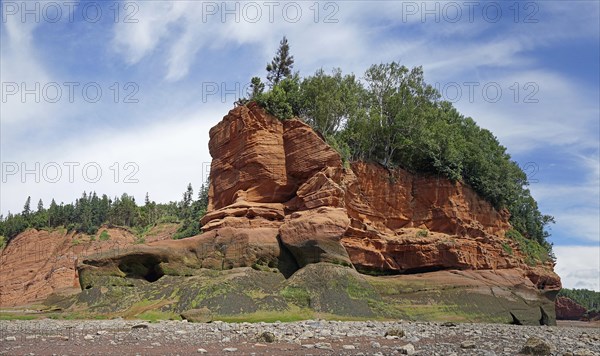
(53, 214)
(257, 87)
(27, 208)
(281, 65)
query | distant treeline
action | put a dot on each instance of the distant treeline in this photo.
(393, 117)
(588, 299)
(91, 211)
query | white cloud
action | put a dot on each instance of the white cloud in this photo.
(137, 38)
(169, 155)
(19, 63)
(522, 125)
(578, 266)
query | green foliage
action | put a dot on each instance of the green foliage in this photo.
(2, 242)
(588, 299)
(140, 240)
(283, 100)
(90, 212)
(506, 247)
(398, 120)
(329, 100)
(281, 65)
(257, 86)
(534, 252)
(187, 229)
(422, 233)
(13, 225)
(104, 236)
(192, 212)
(296, 295)
(340, 146)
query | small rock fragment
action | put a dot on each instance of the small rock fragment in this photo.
(468, 344)
(395, 332)
(323, 346)
(230, 349)
(536, 346)
(407, 349)
(201, 351)
(348, 347)
(266, 337)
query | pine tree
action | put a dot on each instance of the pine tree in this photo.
(40, 206)
(27, 207)
(257, 87)
(186, 203)
(53, 214)
(281, 65)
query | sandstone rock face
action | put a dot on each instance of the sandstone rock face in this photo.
(396, 222)
(281, 199)
(314, 236)
(393, 200)
(36, 263)
(248, 160)
(568, 309)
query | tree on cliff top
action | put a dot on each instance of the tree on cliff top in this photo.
(281, 65)
(395, 118)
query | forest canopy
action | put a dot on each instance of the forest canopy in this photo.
(88, 213)
(393, 117)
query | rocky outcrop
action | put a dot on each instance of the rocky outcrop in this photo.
(377, 220)
(282, 200)
(314, 236)
(38, 263)
(391, 200)
(568, 309)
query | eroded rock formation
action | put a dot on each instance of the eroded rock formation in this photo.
(38, 263)
(386, 221)
(282, 200)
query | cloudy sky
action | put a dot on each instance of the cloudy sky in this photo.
(117, 97)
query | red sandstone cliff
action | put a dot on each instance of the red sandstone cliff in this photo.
(283, 175)
(36, 263)
(277, 188)
(568, 309)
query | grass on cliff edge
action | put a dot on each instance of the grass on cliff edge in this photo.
(533, 251)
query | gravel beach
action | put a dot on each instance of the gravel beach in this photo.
(312, 337)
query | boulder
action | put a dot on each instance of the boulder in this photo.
(315, 236)
(202, 315)
(537, 346)
(568, 309)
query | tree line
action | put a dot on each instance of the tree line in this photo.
(393, 117)
(89, 212)
(588, 299)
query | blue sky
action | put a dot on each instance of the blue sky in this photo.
(168, 71)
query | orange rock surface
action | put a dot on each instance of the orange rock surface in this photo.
(277, 188)
(36, 263)
(397, 222)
